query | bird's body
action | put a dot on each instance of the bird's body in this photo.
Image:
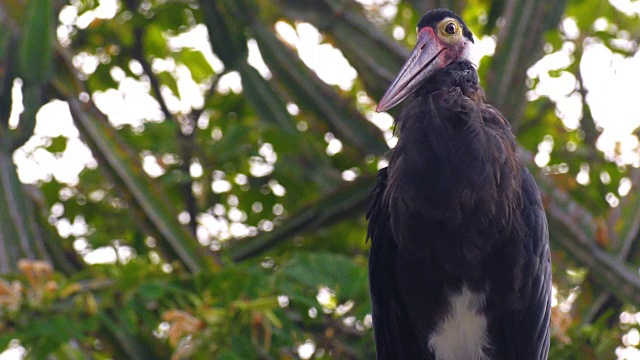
(459, 264)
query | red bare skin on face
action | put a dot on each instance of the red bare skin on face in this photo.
(428, 32)
(451, 53)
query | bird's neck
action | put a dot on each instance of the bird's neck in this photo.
(461, 74)
(455, 155)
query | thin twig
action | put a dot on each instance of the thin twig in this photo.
(138, 54)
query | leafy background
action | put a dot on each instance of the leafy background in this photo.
(181, 179)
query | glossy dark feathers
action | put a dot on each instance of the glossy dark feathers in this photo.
(456, 207)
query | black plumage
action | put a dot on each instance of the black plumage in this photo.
(455, 210)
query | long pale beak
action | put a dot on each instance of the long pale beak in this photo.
(422, 62)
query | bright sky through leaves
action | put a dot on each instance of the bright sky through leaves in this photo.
(610, 79)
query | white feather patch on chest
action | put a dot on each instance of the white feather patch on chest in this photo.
(462, 334)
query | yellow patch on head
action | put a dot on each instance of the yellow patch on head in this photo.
(450, 31)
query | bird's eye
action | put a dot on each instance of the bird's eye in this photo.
(450, 28)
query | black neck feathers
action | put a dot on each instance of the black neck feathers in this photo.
(455, 166)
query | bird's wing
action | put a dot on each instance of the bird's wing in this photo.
(527, 333)
(394, 334)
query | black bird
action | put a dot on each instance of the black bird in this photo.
(460, 265)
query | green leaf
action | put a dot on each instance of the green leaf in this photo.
(171, 16)
(6, 85)
(335, 271)
(101, 79)
(58, 144)
(37, 42)
(265, 99)
(130, 344)
(227, 39)
(200, 68)
(48, 333)
(168, 80)
(19, 234)
(155, 42)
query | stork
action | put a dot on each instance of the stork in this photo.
(460, 266)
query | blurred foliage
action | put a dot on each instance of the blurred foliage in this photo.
(221, 215)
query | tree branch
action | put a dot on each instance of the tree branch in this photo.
(345, 203)
(632, 237)
(186, 131)
(569, 230)
(138, 54)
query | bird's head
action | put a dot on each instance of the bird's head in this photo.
(443, 38)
